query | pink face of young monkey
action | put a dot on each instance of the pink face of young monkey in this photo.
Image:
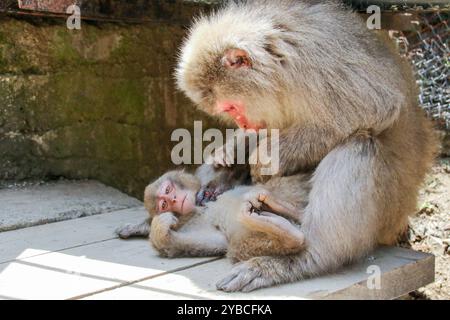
(172, 198)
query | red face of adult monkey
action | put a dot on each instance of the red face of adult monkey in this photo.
(262, 70)
(346, 107)
(230, 66)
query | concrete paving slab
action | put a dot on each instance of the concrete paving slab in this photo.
(90, 268)
(83, 259)
(58, 236)
(402, 271)
(56, 201)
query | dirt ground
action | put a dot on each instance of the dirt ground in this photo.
(430, 229)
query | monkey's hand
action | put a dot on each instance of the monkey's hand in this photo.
(263, 165)
(222, 157)
(161, 231)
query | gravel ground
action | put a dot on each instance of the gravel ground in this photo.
(430, 229)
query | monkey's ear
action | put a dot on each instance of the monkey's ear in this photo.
(236, 59)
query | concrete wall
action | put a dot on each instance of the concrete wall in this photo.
(96, 103)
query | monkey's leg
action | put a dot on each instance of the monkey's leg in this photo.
(258, 244)
(134, 230)
(274, 226)
(341, 222)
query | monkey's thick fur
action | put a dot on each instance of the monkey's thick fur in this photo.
(229, 225)
(346, 106)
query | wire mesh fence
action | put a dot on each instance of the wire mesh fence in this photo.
(428, 50)
(426, 45)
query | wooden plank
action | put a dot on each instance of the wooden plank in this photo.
(20, 244)
(402, 271)
(395, 283)
(82, 270)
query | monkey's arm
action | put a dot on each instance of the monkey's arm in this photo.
(198, 242)
(228, 167)
(134, 230)
(301, 148)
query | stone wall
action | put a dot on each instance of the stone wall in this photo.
(96, 103)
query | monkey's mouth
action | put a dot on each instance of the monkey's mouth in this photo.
(243, 123)
(236, 110)
(182, 203)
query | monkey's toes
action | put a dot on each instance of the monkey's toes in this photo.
(239, 278)
(249, 210)
(255, 198)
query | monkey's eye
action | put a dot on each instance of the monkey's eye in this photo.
(167, 189)
(240, 62)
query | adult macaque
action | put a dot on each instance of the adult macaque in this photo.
(346, 107)
(213, 182)
(244, 222)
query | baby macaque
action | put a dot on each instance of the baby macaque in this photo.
(213, 182)
(244, 222)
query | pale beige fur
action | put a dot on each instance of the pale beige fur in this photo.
(346, 106)
(230, 225)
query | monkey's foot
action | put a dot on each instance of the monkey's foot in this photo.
(248, 276)
(254, 198)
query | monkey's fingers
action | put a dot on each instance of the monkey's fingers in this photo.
(286, 209)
